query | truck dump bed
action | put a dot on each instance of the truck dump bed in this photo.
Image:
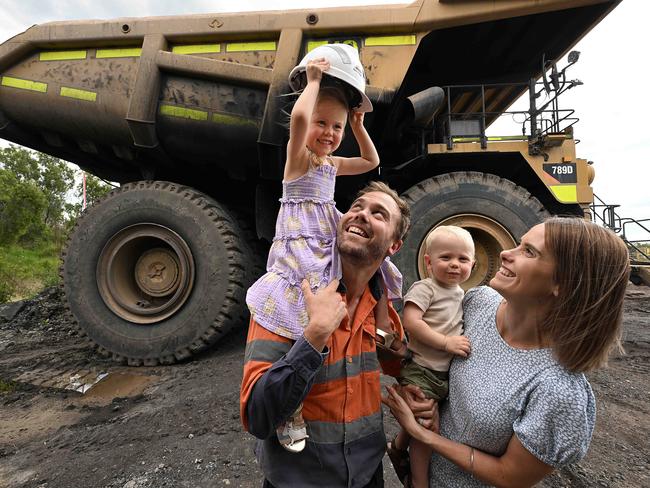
(190, 112)
(187, 98)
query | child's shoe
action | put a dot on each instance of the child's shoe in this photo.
(384, 339)
(293, 433)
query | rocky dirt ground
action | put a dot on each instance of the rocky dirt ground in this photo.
(179, 426)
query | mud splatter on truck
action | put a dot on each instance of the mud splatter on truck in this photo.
(186, 113)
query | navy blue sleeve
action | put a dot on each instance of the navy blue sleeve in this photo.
(282, 388)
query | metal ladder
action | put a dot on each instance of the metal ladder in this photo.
(639, 249)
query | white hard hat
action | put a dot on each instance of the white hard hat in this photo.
(344, 65)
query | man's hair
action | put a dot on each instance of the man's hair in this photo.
(451, 230)
(404, 209)
(592, 268)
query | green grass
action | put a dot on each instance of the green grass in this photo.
(7, 386)
(24, 272)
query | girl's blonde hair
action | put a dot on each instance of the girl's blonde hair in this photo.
(592, 268)
(333, 93)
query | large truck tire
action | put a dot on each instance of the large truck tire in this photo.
(640, 276)
(494, 210)
(156, 272)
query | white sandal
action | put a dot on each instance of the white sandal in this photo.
(293, 432)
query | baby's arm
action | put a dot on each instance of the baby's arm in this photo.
(420, 330)
(369, 158)
(297, 158)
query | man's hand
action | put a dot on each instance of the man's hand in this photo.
(458, 345)
(325, 309)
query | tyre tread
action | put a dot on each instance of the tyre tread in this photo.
(241, 252)
(436, 197)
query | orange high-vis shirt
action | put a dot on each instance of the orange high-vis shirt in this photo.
(341, 397)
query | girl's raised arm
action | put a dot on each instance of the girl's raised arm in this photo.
(368, 160)
(297, 159)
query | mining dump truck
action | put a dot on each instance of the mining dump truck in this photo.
(188, 113)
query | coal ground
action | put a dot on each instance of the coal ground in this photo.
(178, 426)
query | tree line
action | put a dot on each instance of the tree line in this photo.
(40, 201)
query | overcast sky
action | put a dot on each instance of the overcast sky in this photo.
(613, 104)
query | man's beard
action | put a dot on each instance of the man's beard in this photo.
(362, 255)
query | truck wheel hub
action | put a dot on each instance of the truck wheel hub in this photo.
(145, 273)
(157, 272)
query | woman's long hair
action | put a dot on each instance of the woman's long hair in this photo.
(592, 268)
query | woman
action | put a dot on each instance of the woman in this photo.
(519, 406)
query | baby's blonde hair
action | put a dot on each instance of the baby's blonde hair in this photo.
(450, 230)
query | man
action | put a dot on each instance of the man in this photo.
(333, 368)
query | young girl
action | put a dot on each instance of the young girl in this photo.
(304, 245)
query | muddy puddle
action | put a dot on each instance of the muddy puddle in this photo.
(117, 385)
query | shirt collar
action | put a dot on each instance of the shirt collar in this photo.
(374, 284)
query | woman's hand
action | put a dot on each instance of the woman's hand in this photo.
(424, 409)
(316, 68)
(401, 411)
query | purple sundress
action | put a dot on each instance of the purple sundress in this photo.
(304, 247)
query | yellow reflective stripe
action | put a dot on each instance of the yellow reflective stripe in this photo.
(390, 40)
(466, 139)
(233, 120)
(24, 84)
(565, 193)
(234, 47)
(311, 45)
(507, 138)
(490, 139)
(197, 49)
(61, 55)
(184, 113)
(78, 94)
(129, 52)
